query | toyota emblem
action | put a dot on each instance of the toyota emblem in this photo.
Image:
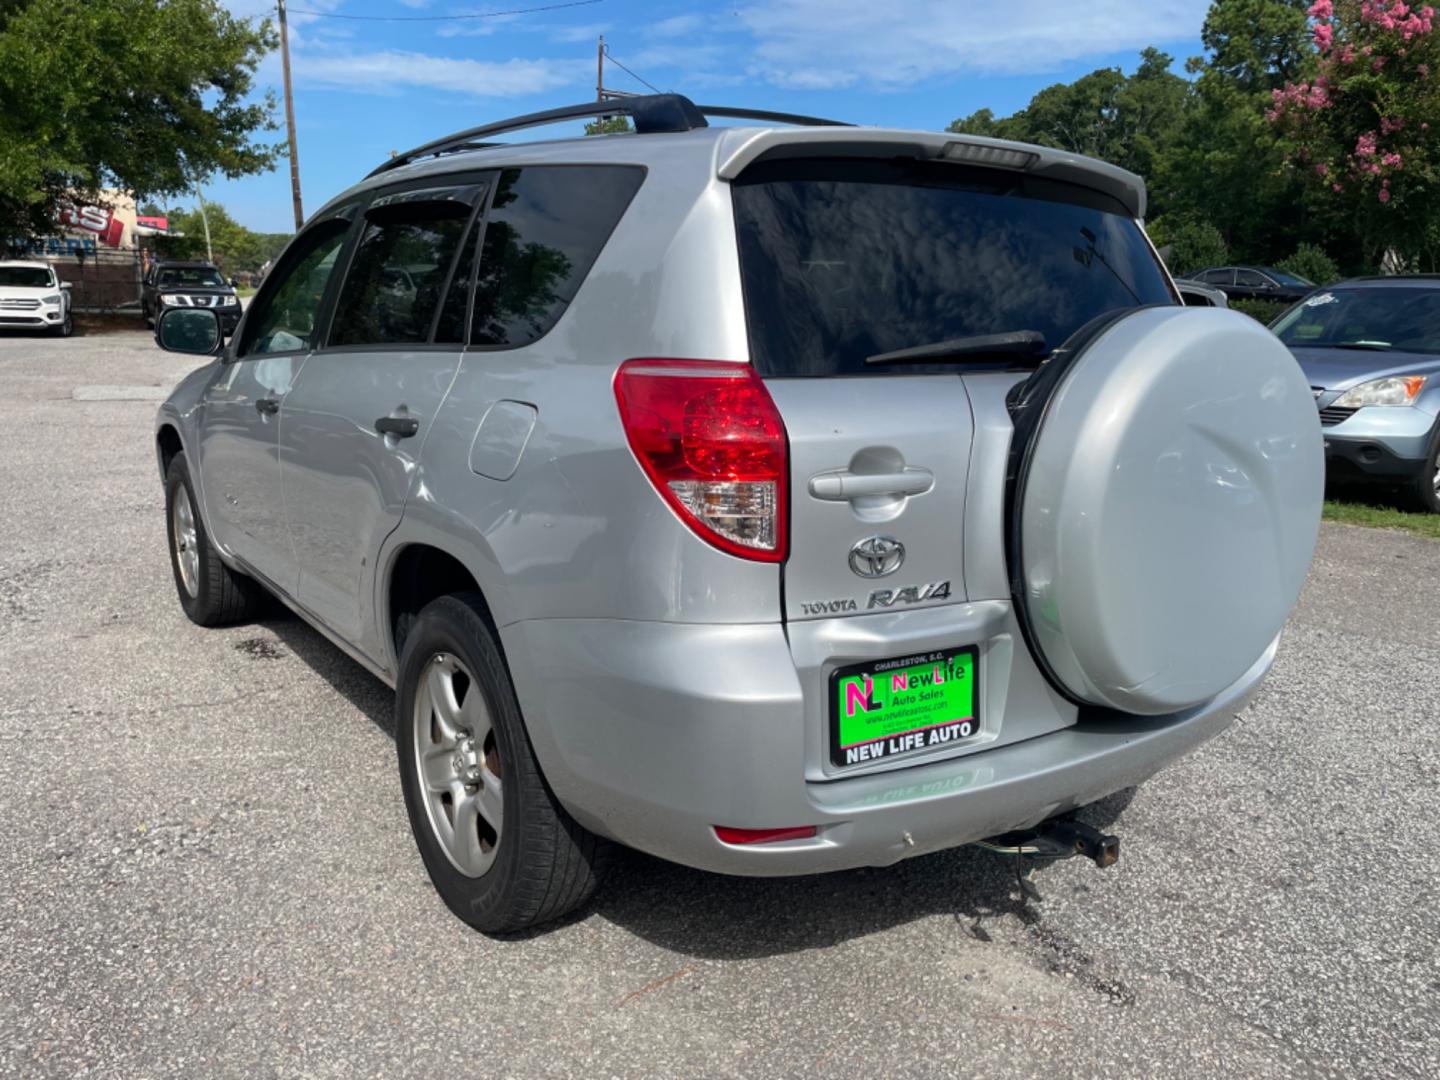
(877, 556)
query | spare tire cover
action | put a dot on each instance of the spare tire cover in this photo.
(1168, 502)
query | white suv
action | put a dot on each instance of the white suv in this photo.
(33, 298)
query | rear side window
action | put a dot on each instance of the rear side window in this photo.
(1218, 277)
(398, 273)
(546, 227)
(842, 260)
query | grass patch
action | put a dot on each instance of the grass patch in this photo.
(1382, 517)
(245, 290)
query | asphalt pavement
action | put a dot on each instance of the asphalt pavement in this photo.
(206, 871)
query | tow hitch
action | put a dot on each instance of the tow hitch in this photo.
(1060, 838)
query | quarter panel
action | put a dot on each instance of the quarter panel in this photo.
(578, 531)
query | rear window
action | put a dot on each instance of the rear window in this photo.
(842, 260)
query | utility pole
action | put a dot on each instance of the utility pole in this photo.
(290, 118)
(204, 220)
(599, 67)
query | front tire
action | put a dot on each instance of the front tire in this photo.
(66, 327)
(1425, 488)
(500, 849)
(211, 593)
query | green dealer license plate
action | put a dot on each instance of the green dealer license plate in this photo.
(886, 708)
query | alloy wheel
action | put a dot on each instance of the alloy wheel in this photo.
(187, 545)
(457, 762)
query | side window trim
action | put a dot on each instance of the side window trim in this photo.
(455, 187)
(476, 224)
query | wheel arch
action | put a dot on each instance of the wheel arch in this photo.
(417, 571)
(167, 445)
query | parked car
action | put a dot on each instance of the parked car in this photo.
(1370, 348)
(189, 284)
(32, 297)
(1193, 294)
(1254, 283)
(770, 499)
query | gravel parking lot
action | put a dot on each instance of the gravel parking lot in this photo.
(206, 869)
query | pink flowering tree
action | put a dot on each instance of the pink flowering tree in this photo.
(1365, 130)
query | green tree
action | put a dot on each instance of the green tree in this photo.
(1187, 243)
(235, 247)
(1358, 134)
(1227, 167)
(1310, 262)
(608, 125)
(133, 94)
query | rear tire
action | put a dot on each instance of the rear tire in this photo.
(500, 849)
(211, 593)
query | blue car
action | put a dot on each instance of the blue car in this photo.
(1371, 350)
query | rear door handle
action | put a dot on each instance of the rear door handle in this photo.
(843, 485)
(402, 427)
(268, 405)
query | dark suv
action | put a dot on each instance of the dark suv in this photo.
(189, 284)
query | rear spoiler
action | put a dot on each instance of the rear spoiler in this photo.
(745, 146)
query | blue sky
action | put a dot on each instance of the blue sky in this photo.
(365, 88)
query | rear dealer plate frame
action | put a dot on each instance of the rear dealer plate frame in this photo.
(884, 747)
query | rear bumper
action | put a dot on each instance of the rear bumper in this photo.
(646, 738)
(1384, 444)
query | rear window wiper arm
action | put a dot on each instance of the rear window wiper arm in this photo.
(1015, 343)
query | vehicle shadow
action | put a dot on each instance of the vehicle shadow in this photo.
(715, 916)
(364, 691)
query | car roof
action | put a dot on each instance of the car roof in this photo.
(1381, 280)
(185, 264)
(728, 151)
(33, 263)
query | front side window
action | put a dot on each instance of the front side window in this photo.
(283, 318)
(1381, 318)
(398, 274)
(845, 259)
(545, 230)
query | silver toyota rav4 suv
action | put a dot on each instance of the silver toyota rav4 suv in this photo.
(774, 499)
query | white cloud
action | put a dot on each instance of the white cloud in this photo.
(393, 70)
(822, 44)
(678, 25)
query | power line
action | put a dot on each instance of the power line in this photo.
(444, 18)
(611, 57)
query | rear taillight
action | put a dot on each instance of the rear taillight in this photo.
(713, 444)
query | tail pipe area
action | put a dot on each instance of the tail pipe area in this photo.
(1058, 838)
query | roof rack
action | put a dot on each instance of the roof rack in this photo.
(652, 114)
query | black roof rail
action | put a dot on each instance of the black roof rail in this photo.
(651, 113)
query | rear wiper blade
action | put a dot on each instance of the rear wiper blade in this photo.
(1371, 345)
(1018, 343)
